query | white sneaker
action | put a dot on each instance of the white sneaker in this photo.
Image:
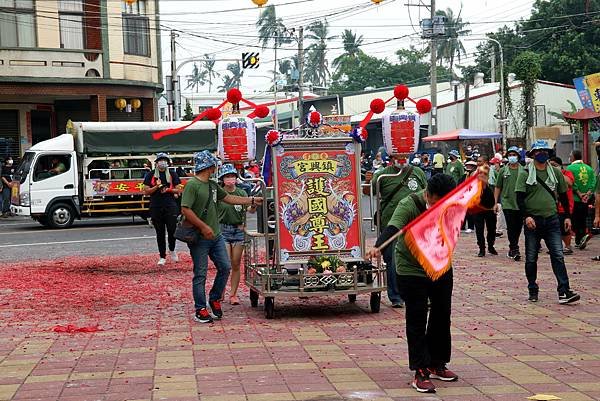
(174, 257)
(468, 231)
(162, 261)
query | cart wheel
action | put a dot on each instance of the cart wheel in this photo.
(375, 302)
(253, 298)
(351, 298)
(269, 307)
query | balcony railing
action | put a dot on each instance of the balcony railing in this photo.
(51, 63)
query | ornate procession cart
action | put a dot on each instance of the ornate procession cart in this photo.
(316, 244)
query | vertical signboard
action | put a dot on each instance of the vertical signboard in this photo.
(588, 90)
(318, 206)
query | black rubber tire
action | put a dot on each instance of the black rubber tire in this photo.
(60, 215)
(43, 221)
(375, 302)
(253, 298)
(269, 307)
(352, 298)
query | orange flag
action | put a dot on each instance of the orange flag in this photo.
(432, 236)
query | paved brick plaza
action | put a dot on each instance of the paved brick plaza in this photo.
(319, 349)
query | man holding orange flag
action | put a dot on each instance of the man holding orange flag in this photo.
(427, 225)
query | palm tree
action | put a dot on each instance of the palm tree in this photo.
(209, 69)
(451, 46)
(317, 63)
(197, 78)
(235, 79)
(271, 29)
(352, 44)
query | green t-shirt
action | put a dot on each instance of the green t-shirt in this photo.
(506, 181)
(538, 201)
(406, 211)
(585, 179)
(195, 197)
(456, 170)
(415, 182)
(233, 215)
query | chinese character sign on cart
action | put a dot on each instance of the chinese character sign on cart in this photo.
(317, 205)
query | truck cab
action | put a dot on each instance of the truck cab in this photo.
(98, 169)
(46, 183)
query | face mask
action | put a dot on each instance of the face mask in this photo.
(229, 180)
(162, 164)
(541, 157)
(513, 159)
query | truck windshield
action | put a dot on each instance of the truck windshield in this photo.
(24, 167)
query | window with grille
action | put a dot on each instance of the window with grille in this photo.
(17, 23)
(70, 15)
(136, 28)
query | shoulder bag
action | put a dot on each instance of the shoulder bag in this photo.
(388, 198)
(186, 231)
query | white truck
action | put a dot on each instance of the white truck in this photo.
(98, 168)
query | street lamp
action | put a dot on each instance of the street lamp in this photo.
(502, 104)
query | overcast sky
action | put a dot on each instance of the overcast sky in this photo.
(209, 28)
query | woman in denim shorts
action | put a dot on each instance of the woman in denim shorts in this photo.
(233, 220)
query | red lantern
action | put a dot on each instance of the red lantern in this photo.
(237, 139)
(377, 106)
(423, 106)
(401, 92)
(400, 132)
(261, 111)
(234, 96)
(273, 137)
(315, 118)
(213, 114)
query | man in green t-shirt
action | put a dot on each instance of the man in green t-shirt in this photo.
(455, 168)
(427, 330)
(199, 206)
(407, 179)
(536, 190)
(506, 196)
(583, 191)
(597, 210)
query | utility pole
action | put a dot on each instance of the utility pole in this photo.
(433, 90)
(276, 116)
(300, 73)
(493, 66)
(174, 78)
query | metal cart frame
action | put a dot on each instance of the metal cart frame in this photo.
(273, 278)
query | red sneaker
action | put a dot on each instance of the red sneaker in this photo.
(442, 374)
(215, 306)
(422, 383)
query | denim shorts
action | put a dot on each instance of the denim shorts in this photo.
(233, 234)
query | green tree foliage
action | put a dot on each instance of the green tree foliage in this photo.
(368, 71)
(451, 47)
(188, 112)
(271, 29)
(528, 66)
(197, 79)
(352, 44)
(317, 65)
(209, 69)
(234, 78)
(564, 33)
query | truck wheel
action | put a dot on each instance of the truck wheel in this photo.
(61, 215)
(253, 298)
(375, 302)
(43, 221)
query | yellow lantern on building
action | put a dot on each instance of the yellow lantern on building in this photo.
(260, 3)
(136, 103)
(120, 103)
(130, 2)
(376, 1)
